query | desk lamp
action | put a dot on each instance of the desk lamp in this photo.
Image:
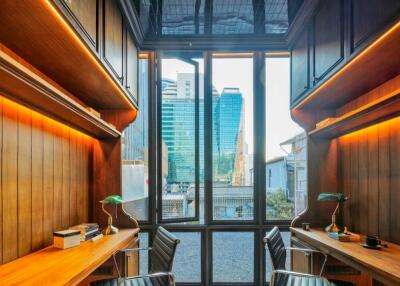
(337, 198)
(110, 200)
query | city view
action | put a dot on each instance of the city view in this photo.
(232, 152)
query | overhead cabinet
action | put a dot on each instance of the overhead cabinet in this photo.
(300, 66)
(113, 38)
(368, 20)
(328, 39)
(331, 39)
(83, 16)
(131, 67)
(81, 45)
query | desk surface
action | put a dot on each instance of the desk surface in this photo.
(383, 265)
(52, 266)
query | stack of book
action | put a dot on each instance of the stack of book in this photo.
(87, 230)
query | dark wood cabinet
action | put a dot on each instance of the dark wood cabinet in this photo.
(113, 38)
(300, 67)
(131, 67)
(83, 16)
(368, 20)
(328, 40)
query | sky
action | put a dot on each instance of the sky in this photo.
(239, 73)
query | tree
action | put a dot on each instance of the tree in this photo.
(278, 206)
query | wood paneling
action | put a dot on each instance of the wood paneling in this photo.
(371, 179)
(9, 184)
(24, 181)
(37, 173)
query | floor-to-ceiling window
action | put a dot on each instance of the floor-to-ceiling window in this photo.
(219, 189)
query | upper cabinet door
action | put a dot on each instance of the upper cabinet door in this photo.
(372, 18)
(328, 38)
(299, 67)
(113, 38)
(131, 67)
(83, 16)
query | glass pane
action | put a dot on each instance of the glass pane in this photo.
(233, 256)
(286, 147)
(144, 255)
(135, 161)
(233, 17)
(276, 16)
(178, 138)
(268, 263)
(232, 139)
(179, 17)
(187, 262)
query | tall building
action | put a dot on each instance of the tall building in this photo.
(178, 133)
(229, 142)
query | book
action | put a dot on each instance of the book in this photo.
(345, 237)
(66, 238)
(89, 236)
(85, 228)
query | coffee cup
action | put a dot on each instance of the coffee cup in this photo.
(372, 240)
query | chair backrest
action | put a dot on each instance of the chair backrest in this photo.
(163, 251)
(276, 249)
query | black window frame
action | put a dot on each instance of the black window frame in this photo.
(260, 225)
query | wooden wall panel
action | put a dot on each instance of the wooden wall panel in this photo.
(37, 182)
(9, 183)
(372, 179)
(395, 180)
(58, 183)
(24, 181)
(43, 165)
(1, 180)
(48, 183)
(65, 177)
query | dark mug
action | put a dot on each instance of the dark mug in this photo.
(372, 240)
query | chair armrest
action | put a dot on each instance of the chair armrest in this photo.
(311, 251)
(135, 249)
(171, 277)
(298, 274)
(127, 250)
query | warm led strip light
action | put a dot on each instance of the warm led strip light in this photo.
(54, 11)
(25, 112)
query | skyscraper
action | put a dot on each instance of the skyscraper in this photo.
(229, 143)
(178, 133)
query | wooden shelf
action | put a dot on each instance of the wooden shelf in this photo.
(366, 70)
(22, 83)
(36, 31)
(376, 111)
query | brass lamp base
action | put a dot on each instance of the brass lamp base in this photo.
(110, 229)
(332, 228)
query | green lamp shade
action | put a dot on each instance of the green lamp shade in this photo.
(113, 200)
(332, 197)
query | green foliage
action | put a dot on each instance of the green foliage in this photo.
(278, 207)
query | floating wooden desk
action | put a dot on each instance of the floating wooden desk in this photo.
(52, 266)
(383, 265)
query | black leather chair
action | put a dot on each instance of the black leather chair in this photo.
(282, 277)
(161, 260)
